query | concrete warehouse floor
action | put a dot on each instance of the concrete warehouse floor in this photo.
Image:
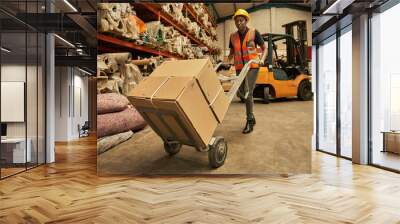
(280, 144)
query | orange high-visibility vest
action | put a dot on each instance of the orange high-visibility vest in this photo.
(246, 52)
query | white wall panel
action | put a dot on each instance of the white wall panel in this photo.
(12, 101)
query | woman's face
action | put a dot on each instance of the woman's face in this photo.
(241, 23)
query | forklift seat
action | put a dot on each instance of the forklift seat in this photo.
(280, 74)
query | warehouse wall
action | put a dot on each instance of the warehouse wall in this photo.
(61, 103)
(80, 108)
(71, 103)
(265, 21)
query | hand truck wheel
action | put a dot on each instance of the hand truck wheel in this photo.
(172, 148)
(217, 152)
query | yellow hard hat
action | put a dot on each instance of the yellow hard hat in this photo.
(242, 12)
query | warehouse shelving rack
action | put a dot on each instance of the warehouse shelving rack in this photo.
(113, 44)
(156, 13)
(152, 12)
(193, 15)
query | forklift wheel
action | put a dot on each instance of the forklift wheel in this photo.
(217, 152)
(267, 96)
(172, 148)
(305, 92)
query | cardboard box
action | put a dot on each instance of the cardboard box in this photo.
(207, 78)
(176, 109)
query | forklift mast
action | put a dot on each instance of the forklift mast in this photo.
(297, 53)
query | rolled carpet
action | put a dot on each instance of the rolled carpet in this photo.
(111, 102)
(106, 143)
(114, 123)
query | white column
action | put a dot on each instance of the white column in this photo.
(314, 90)
(360, 90)
(50, 93)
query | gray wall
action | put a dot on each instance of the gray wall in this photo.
(71, 102)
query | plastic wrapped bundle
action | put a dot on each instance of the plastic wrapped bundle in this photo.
(205, 21)
(170, 32)
(147, 65)
(213, 31)
(189, 53)
(109, 17)
(105, 85)
(131, 76)
(198, 52)
(156, 32)
(198, 8)
(187, 49)
(106, 143)
(118, 18)
(114, 61)
(174, 10)
(132, 30)
(117, 73)
(194, 28)
(186, 22)
(177, 45)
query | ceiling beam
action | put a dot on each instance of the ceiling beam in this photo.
(91, 5)
(83, 23)
(215, 11)
(14, 17)
(337, 7)
(81, 61)
(50, 22)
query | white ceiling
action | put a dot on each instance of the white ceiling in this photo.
(228, 9)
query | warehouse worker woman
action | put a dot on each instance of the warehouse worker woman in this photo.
(243, 48)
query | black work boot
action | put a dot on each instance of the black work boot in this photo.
(249, 125)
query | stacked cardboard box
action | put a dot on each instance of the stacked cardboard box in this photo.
(182, 101)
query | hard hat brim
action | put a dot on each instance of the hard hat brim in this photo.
(247, 18)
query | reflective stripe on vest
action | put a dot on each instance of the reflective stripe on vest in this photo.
(248, 48)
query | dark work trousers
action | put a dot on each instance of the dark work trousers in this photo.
(249, 84)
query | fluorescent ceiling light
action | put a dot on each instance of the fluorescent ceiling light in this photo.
(331, 7)
(70, 5)
(5, 50)
(65, 41)
(338, 6)
(86, 72)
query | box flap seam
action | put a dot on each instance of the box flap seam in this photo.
(155, 92)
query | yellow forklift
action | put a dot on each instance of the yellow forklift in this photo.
(285, 73)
